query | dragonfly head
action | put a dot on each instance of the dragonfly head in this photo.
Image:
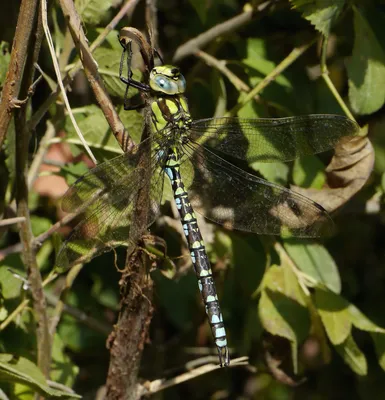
(167, 79)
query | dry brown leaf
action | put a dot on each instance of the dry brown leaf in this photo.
(346, 174)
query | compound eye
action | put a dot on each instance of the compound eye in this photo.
(166, 85)
(181, 84)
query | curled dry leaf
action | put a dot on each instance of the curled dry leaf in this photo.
(346, 174)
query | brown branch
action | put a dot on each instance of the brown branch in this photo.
(26, 236)
(21, 43)
(131, 331)
(93, 76)
(127, 341)
(202, 40)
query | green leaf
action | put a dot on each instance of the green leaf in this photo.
(96, 130)
(108, 65)
(21, 370)
(366, 69)
(309, 172)
(92, 11)
(10, 286)
(314, 260)
(276, 172)
(62, 368)
(39, 224)
(334, 312)
(258, 59)
(321, 13)
(282, 307)
(362, 322)
(72, 172)
(353, 356)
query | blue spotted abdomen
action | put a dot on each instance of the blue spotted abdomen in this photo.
(199, 257)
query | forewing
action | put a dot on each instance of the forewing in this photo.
(232, 197)
(273, 139)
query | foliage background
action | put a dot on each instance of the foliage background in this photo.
(288, 335)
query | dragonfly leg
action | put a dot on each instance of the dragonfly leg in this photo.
(224, 358)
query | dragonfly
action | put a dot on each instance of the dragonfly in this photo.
(199, 164)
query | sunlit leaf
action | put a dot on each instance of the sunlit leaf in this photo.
(334, 312)
(309, 172)
(282, 307)
(21, 370)
(96, 130)
(366, 68)
(313, 259)
(10, 285)
(92, 11)
(321, 13)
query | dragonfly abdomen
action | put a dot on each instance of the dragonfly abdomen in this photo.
(199, 257)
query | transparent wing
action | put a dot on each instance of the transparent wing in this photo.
(102, 178)
(236, 199)
(113, 192)
(273, 139)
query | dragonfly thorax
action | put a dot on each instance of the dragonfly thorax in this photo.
(170, 115)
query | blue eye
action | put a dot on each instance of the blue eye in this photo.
(163, 83)
(181, 83)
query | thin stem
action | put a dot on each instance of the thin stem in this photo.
(328, 81)
(14, 314)
(285, 63)
(11, 221)
(41, 152)
(60, 81)
(193, 45)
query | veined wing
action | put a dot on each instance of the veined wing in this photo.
(109, 218)
(273, 139)
(101, 179)
(236, 199)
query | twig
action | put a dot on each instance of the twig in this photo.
(293, 56)
(304, 280)
(220, 65)
(15, 248)
(11, 221)
(193, 45)
(14, 314)
(80, 316)
(161, 384)
(60, 81)
(39, 156)
(329, 83)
